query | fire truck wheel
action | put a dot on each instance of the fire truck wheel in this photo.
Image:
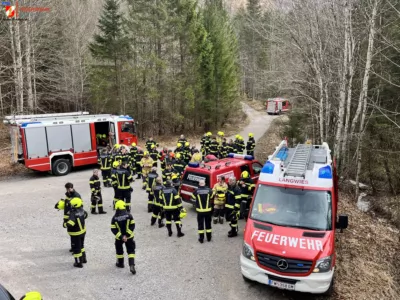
(61, 167)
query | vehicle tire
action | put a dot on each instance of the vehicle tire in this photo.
(246, 279)
(331, 288)
(61, 167)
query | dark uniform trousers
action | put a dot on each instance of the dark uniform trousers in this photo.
(231, 217)
(158, 213)
(138, 169)
(130, 246)
(95, 202)
(170, 215)
(204, 218)
(124, 195)
(106, 174)
(78, 245)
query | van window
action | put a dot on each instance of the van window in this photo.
(256, 168)
(244, 168)
(283, 103)
(193, 178)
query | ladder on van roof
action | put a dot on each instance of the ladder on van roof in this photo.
(297, 166)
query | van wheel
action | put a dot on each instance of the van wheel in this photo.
(61, 167)
(331, 288)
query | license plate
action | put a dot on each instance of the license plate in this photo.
(281, 285)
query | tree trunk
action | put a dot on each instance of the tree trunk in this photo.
(28, 67)
(364, 90)
(19, 67)
(15, 75)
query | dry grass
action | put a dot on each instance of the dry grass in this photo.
(256, 104)
(387, 207)
(367, 263)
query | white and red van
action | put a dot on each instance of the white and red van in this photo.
(289, 238)
(275, 106)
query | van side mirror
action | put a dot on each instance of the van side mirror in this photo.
(342, 222)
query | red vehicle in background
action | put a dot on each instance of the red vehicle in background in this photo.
(289, 238)
(275, 106)
(58, 142)
(233, 166)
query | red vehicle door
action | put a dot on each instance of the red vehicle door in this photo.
(127, 133)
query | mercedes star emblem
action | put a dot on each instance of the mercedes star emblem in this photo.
(282, 264)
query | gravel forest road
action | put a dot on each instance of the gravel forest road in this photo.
(34, 247)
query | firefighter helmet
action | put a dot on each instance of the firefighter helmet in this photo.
(117, 146)
(209, 134)
(115, 164)
(120, 205)
(153, 146)
(245, 174)
(179, 145)
(251, 134)
(76, 202)
(133, 144)
(178, 156)
(174, 176)
(187, 144)
(183, 213)
(32, 296)
(146, 153)
(237, 136)
(60, 205)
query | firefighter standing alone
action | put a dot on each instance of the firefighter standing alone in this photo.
(96, 197)
(203, 196)
(172, 206)
(122, 226)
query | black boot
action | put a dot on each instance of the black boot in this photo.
(201, 241)
(149, 208)
(169, 229)
(120, 263)
(216, 216)
(215, 220)
(161, 224)
(232, 233)
(70, 250)
(78, 263)
(132, 265)
(101, 210)
(94, 211)
(178, 228)
(208, 236)
(84, 258)
(139, 176)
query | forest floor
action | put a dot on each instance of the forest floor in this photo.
(368, 264)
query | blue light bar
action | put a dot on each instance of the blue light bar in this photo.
(325, 172)
(194, 165)
(241, 156)
(268, 168)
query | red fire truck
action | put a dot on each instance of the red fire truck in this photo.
(58, 142)
(277, 105)
(289, 239)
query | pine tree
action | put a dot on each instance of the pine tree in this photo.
(110, 48)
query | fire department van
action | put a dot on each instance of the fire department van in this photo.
(277, 106)
(289, 238)
(58, 142)
(234, 165)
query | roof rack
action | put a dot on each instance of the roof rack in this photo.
(298, 164)
(21, 117)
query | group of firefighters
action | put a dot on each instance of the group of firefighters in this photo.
(120, 164)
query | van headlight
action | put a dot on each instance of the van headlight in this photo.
(248, 252)
(323, 265)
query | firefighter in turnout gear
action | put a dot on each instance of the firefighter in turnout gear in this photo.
(213, 147)
(196, 157)
(202, 143)
(147, 164)
(247, 186)
(132, 153)
(172, 205)
(70, 194)
(149, 143)
(76, 229)
(251, 144)
(207, 143)
(150, 182)
(96, 197)
(121, 180)
(123, 226)
(155, 155)
(223, 149)
(203, 197)
(158, 212)
(187, 152)
(232, 206)
(176, 182)
(230, 147)
(182, 139)
(138, 159)
(116, 153)
(105, 167)
(113, 171)
(236, 144)
(220, 136)
(180, 150)
(179, 164)
(240, 145)
(125, 156)
(219, 190)
(163, 158)
(167, 173)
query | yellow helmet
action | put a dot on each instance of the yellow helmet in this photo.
(209, 134)
(104, 136)
(187, 144)
(32, 296)
(237, 136)
(133, 144)
(245, 174)
(240, 137)
(120, 205)
(178, 155)
(152, 146)
(76, 202)
(146, 153)
(117, 146)
(183, 213)
(251, 134)
(179, 145)
(220, 133)
(115, 164)
(174, 176)
(60, 205)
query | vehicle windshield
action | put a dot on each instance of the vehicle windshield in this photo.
(290, 207)
(129, 127)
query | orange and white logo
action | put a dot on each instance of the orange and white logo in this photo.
(10, 11)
